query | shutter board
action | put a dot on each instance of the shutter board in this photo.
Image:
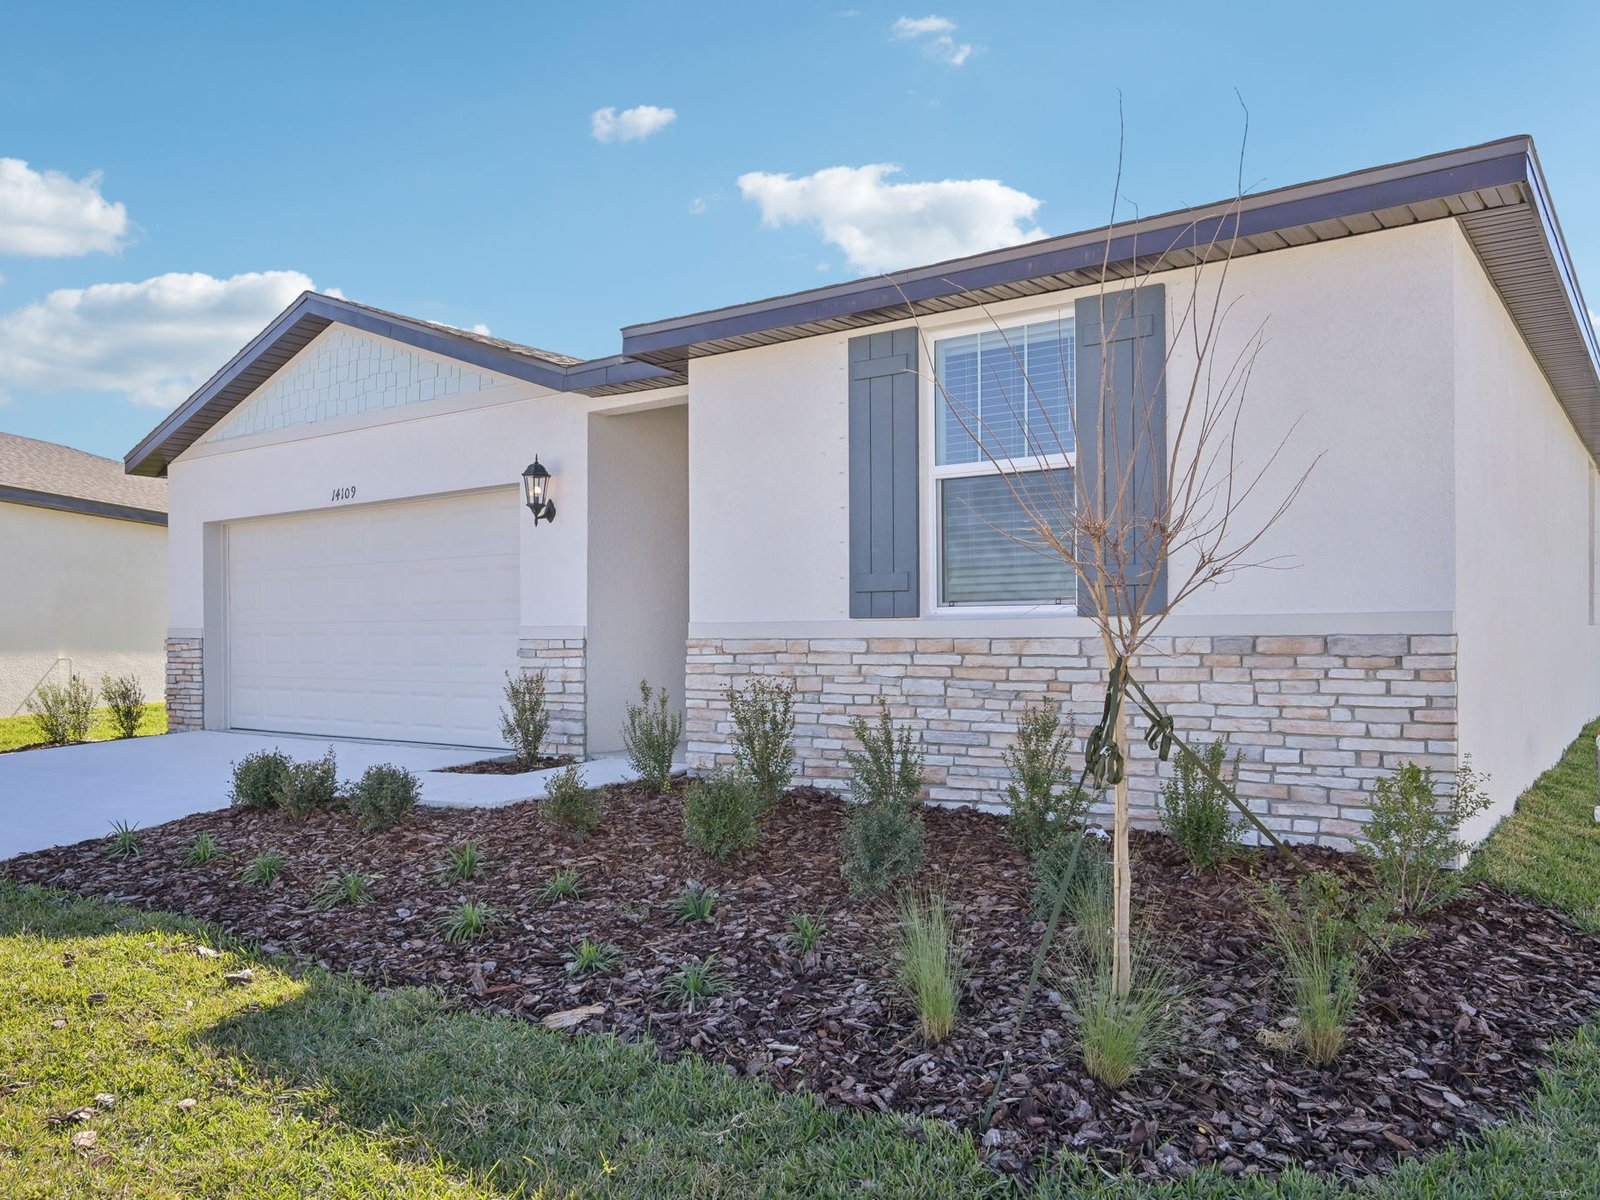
(884, 482)
(1121, 422)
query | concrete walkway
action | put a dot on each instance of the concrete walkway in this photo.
(68, 793)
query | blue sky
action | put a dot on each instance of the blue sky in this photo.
(445, 160)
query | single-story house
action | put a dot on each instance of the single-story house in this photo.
(85, 569)
(778, 488)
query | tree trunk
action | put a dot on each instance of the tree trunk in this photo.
(1121, 874)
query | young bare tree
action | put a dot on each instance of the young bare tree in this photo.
(1165, 500)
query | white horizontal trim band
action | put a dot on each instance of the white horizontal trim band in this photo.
(993, 625)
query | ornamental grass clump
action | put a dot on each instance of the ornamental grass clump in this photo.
(928, 960)
(763, 735)
(525, 717)
(693, 983)
(350, 887)
(1322, 938)
(467, 922)
(590, 957)
(562, 885)
(124, 696)
(651, 736)
(62, 712)
(461, 863)
(805, 933)
(125, 841)
(722, 814)
(309, 787)
(1120, 1031)
(568, 804)
(696, 902)
(383, 796)
(259, 778)
(1412, 836)
(202, 851)
(883, 838)
(264, 868)
(1195, 809)
(1044, 801)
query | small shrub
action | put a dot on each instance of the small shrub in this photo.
(203, 850)
(1121, 1034)
(461, 863)
(883, 838)
(264, 868)
(1044, 801)
(695, 903)
(124, 696)
(1411, 836)
(928, 963)
(570, 805)
(352, 887)
(563, 885)
(309, 787)
(259, 779)
(722, 814)
(763, 735)
(693, 984)
(595, 957)
(467, 922)
(1321, 938)
(888, 767)
(1196, 812)
(125, 841)
(63, 712)
(1055, 869)
(525, 718)
(651, 736)
(805, 933)
(881, 842)
(383, 796)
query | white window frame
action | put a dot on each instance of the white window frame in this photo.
(935, 472)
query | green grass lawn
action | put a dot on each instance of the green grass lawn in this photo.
(22, 731)
(307, 1084)
(1549, 848)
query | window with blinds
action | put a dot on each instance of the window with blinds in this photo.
(1004, 397)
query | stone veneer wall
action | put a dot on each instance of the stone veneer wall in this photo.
(563, 662)
(1316, 718)
(186, 710)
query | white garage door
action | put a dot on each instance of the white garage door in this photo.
(389, 621)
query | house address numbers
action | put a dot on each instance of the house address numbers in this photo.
(344, 493)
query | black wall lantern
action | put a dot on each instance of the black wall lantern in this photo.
(536, 489)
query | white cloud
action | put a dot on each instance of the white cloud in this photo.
(934, 35)
(882, 226)
(154, 342)
(698, 206)
(913, 27)
(631, 124)
(47, 214)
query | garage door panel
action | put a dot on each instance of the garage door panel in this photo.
(392, 622)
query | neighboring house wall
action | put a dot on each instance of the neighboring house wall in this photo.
(1525, 545)
(1325, 675)
(84, 595)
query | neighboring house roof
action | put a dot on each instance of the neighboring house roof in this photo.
(45, 475)
(1496, 191)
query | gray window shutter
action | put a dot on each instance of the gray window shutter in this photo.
(883, 475)
(1122, 430)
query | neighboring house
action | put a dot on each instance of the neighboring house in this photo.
(84, 549)
(759, 489)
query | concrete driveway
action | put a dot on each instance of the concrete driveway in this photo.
(68, 793)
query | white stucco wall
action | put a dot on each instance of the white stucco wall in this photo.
(83, 595)
(1357, 349)
(453, 444)
(638, 563)
(1529, 657)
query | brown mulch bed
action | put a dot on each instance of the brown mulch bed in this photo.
(506, 766)
(1448, 1037)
